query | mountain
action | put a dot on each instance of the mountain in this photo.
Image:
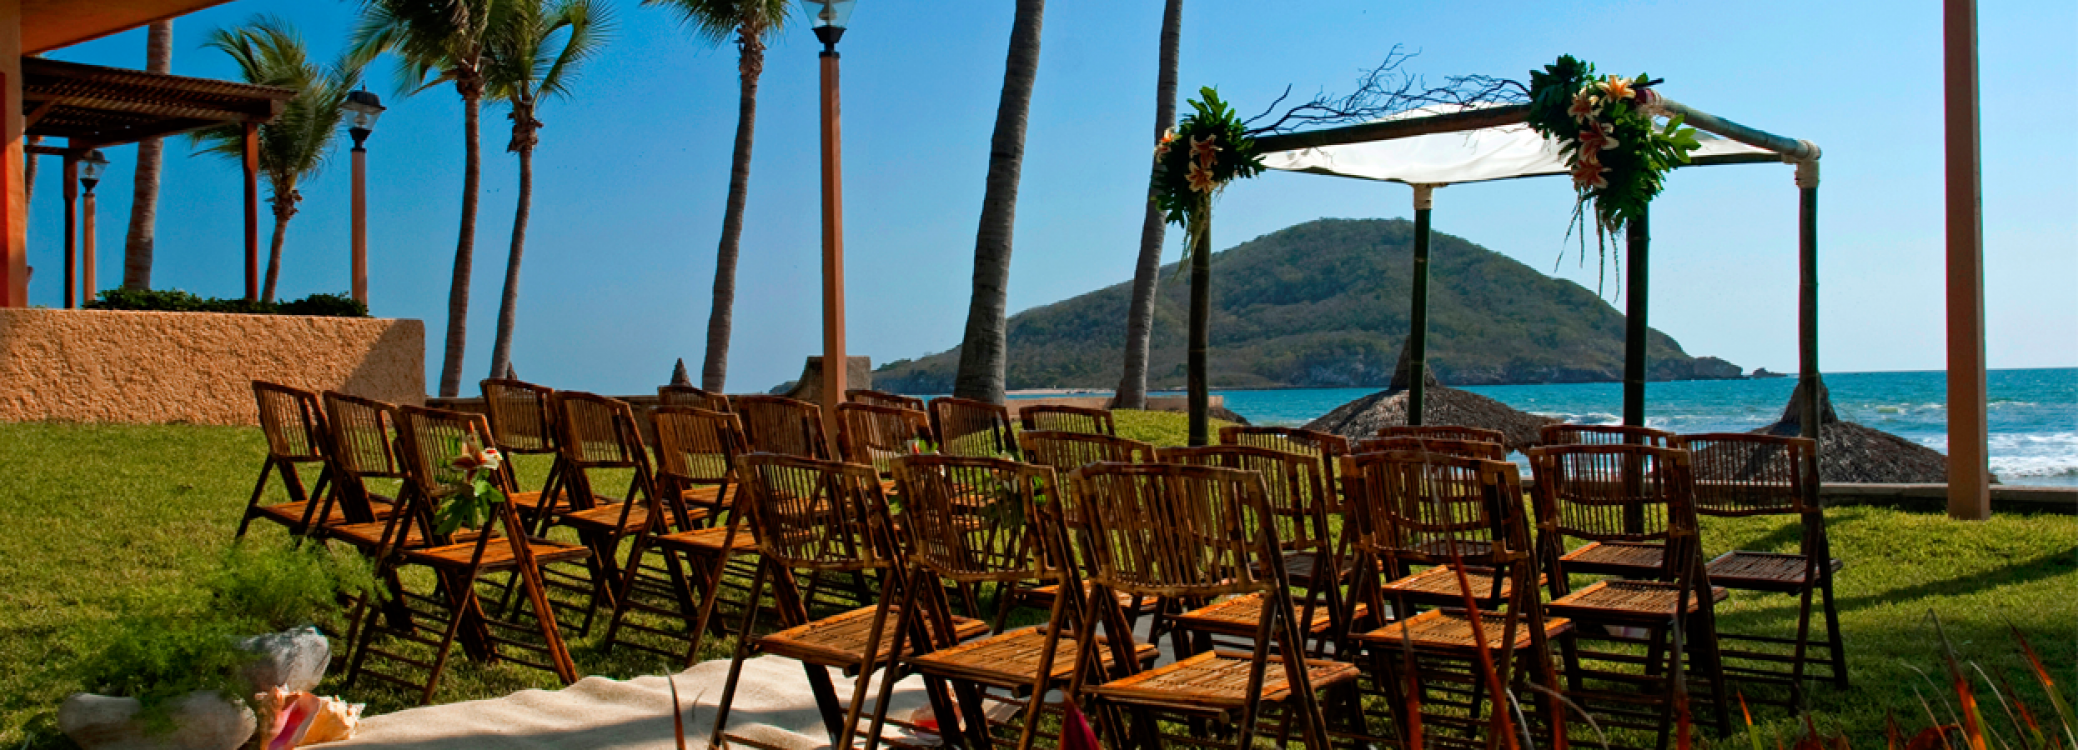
(1325, 304)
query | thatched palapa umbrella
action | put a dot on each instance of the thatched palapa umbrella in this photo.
(1363, 417)
(1853, 453)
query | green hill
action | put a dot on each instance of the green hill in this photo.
(1324, 304)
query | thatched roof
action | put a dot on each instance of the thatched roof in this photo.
(1442, 404)
(1853, 453)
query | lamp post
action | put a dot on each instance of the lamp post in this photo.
(828, 18)
(91, 167)
(366, 108)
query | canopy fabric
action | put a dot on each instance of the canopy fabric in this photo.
(1493, 153)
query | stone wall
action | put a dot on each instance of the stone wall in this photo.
(157, 367)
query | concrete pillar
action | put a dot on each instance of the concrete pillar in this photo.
(14, 219)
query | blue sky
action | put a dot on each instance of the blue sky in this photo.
(632, 171)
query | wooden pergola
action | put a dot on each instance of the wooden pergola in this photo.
(94, 107)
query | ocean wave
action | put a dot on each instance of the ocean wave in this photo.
(2010, 467)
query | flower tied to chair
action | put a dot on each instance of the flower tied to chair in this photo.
(469, 506)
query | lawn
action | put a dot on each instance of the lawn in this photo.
(95, 518)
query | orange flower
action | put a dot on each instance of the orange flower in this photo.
(1161, 146)
(474, 456)
(1589, 174)
(1201, 179)
(1206, 150)
(1583, 108)
(1597, 137)
(1615, 87)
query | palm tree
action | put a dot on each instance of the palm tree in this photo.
(443, 40)
(1132, 385)
(984, 348)
(523, 66)
(268, 51)
(144, 190)
(751, 21)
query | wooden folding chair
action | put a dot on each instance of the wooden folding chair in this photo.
(1444, 432)
(827, 518)
(1325, 447)
(429, 439)
(1190, 533)
(1637, 503)
(876, 435)
(690, 442)
(1444, 537)
(1296, 494)
(1605, 434)
(1068, 451)
(1061, 418)
(879, 398)
(685, 395)
(966, 427)
(295, 431)
(788, 427)
(522, 417)
(1460, 448)
(598, 434)
(1742, 474)
(362, 439)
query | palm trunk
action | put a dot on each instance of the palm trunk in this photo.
(465, 247)
(1132, 383)
(144, 195)
(284, 209)
(508, 305)
(984, 349)
(750, 66)
(29, 171)
(1200, 399)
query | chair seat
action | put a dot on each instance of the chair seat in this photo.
(1217, 680)
(1645, 600)
(1767, 571)
(707, 494)
(497, 554)
(1012, 659)
(840, 640)
(529, 503)
(1299, 567)
(1042, 596)
(1238, 617)
(1451, 630)
(710, 540)
(1616, 558)
(1441, 582)
(607, 518)
(291, 514)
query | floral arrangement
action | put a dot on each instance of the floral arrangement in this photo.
(1196, 159)
(1605, 127)
(470, 505)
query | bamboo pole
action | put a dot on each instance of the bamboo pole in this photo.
(1789, 148)
(1418, 327)
(1471, 119)
(1969, 494)
(1807, 298)
(834, 362)
(1639, 239)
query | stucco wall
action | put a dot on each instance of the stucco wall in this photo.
(150, 367)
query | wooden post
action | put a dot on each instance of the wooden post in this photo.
(1807, 298)
(86, 245)
(1969, 494)
(70, 188)
(360, 222)
(252, 211)
(834, 361)
(1418, 327)
(1198, 397)
(1638, 241)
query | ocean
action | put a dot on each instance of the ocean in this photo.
(2033, 413)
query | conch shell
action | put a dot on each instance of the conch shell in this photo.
(301, 719)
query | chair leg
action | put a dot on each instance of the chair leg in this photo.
(874, 632)
(1835, 644)
(259, 488)
(1801, 652)
(750, 621)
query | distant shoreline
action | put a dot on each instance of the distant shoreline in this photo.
(1043, 392)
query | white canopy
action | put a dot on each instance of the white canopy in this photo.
(1494, 153)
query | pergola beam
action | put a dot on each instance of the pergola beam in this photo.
(1386, 130)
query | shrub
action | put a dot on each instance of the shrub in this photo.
(175, 300)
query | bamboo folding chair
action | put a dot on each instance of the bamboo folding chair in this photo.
(966, 427)
(1190, 533)
(598, 434)
(1448, 534)
(686, 395)
(1444, 432)
(788, 427)
(429, 439)
(1641, 497)
(1061, 418)
(823, 517)
(1065, 452)
(295, 430)
(363, 447)
(1296, 494)
(876, 435)
(1325, 447)
(1742, 474)
(689, 441)
(879, 398)
(694, 464)
(522, 418)
(1459, 448)
(1605, 434)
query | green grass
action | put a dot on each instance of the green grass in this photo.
(96, 518)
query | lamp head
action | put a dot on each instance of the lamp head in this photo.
(828, 18)
(91, 166)
(366, 108)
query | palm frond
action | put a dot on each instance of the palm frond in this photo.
(294, 145)
(715, 21)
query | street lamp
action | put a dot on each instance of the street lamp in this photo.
(366, 108)
(91, 167)
(828, 18)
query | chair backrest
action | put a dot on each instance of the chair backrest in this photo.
(877, 435)
(1462, 448)
(597, 432)
(879, 398)
(777, 424)
(1060, 418)
(1413, 507)
(1605, 434)
(1444, 432)
(817, 515)
(522, 415)
(291, 420)
(1614, 493)
(1294, 488)
(696, 445)
(1068, 451)
(1743, 474)
(1325, 447)
(685, 395)
(363, 437)
(428, 441)
(1171, 530)
(968, 519)
(966, 427)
